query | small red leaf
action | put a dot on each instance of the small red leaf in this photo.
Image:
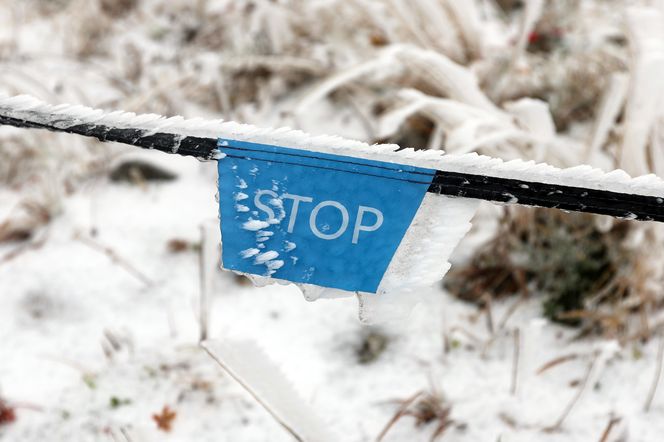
(164, 420)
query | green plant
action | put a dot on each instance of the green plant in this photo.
(588, 272)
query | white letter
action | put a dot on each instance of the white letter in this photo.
(344, 220)
(358, 222)
(263, 207)
(296, 204)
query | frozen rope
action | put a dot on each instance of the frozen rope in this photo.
(580, 189)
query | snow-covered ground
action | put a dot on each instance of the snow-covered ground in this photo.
(99, 324)
(62, 300)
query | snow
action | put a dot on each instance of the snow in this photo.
(249, 253)
(241, 196)
(267, 256)
(255, 225)
(61, 301)
(314, 345)
(275, 264)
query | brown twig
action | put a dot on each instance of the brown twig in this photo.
(577, 396)
(556, 361)
(643, 316)
(401, 412)
(613, 420)
(510, 311)
(115, 258)
(15, 253)
(489, 313)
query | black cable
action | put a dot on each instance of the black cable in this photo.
(456, 184)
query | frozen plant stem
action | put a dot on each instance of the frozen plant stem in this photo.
(489, 313)
(510, 311)
(206, 259)
(399, 414)
(658, 374)
(258, 374)
(125, 434)
(203, 298)
(115, 258)
(515, 361)
(34, 245)
(613, 421)
(582, 388)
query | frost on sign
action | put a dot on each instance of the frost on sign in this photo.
(314, 218)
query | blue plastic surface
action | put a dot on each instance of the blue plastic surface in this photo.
(328, 220)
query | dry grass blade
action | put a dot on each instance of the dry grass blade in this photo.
(28, 218)
(613, 421)
(115, 258)
(18, 251)
(646, 89)
(398, 415)
(557, 361)
(589, 276)
(424, 407)
(610, 107)
(582, 388)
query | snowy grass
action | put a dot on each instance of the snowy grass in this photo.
(591, 272)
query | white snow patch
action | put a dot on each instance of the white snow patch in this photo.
(263, 235)
(218, 155)
(266, 256)
(254, 225)
(274, 265)
(248, 253)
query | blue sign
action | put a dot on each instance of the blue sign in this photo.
(314, 218)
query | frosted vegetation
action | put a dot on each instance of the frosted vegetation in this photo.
(564, 82)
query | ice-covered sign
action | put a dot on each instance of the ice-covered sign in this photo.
(314, 218)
